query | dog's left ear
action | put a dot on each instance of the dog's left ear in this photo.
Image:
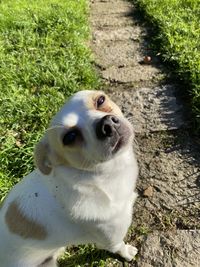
(42, 156)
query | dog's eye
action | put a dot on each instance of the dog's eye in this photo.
(70, 137)
(100, 100)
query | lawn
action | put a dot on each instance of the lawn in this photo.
(43, 60)
(177, 35)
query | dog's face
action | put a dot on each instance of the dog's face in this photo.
(88, 130)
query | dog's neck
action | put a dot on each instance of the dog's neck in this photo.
(111, 183)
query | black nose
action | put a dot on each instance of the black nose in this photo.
(106, 126)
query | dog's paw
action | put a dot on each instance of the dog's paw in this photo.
(132, 251)
(129, 252)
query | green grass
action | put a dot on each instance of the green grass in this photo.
(87, 256)
(43, 60)
(177, 35)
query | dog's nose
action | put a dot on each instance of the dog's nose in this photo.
(107, 126)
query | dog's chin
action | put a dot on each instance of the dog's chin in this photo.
(120, 145)
(121, 140)
(107, 154)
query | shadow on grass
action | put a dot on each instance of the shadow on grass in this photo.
(87, 256)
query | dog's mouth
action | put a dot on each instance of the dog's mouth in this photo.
(118, 145)
(114, 133)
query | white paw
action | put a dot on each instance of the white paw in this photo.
(130, 252)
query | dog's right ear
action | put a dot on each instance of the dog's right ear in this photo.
(41, 156)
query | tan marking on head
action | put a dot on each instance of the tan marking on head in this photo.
(108, 106)
(91, 100)
(20, 225)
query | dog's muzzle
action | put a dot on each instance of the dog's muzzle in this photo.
(112, 131)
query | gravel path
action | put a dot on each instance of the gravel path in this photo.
(166, 221)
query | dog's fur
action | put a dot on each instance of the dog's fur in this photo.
(81, 192)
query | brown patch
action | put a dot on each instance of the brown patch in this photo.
(90, 104)
(108, 106)
(20, 225)
(105, 107)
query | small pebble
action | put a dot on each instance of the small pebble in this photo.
(148, 192)
(147, 60)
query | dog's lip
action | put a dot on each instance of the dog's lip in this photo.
(118, 145)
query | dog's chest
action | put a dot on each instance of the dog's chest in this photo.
(93, 196)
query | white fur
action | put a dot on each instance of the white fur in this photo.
(91, 203)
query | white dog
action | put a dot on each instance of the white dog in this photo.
(82, 190)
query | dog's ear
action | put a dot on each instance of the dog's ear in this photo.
(41, 156)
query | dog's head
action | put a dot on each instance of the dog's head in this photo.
(88, 130)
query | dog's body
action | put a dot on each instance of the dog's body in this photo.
(82, 191)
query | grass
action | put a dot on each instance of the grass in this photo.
(177, 35)
(87, 256)
(43, 60)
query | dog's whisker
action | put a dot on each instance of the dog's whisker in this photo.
(55, 127)
(135, 142)
(85, 164)
(130, 118)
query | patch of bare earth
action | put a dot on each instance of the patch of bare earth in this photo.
(166, 219)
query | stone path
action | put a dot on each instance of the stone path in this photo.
(166, 221)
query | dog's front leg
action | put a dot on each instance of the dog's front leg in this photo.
(52, 260)
(49, 262)
(126, 251)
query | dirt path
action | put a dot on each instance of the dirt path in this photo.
(166, 221)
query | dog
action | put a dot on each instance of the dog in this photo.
(82, 190)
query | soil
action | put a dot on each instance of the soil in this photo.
(168, 205)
